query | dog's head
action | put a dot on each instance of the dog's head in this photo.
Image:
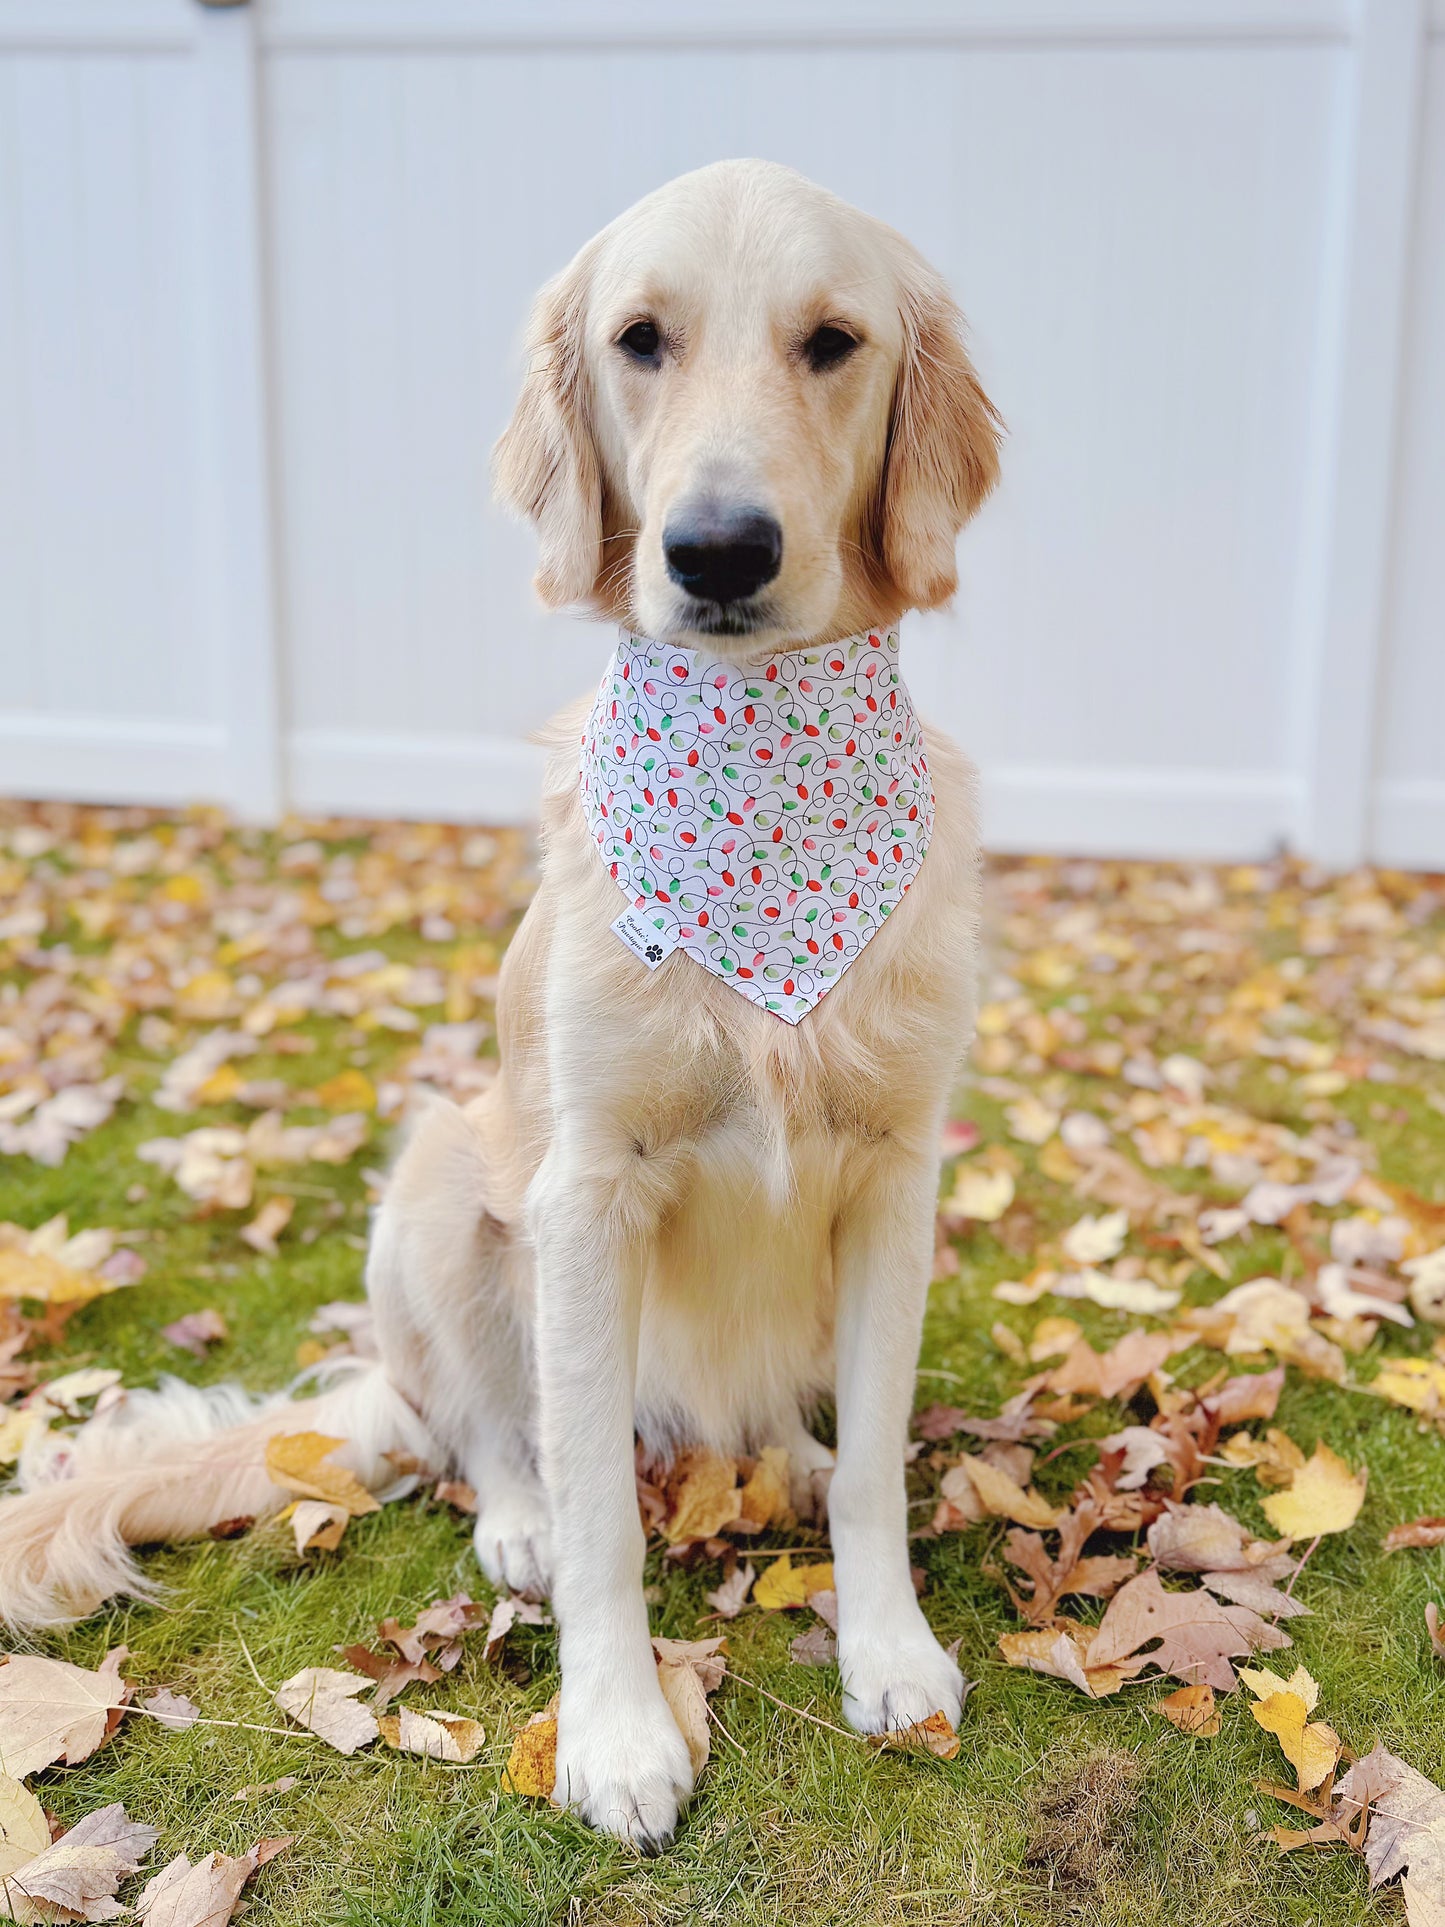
(748, 419)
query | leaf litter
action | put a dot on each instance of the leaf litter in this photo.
(1111, 1113)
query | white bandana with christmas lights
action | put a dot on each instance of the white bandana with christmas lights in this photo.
(766, 819)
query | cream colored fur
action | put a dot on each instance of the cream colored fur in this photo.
(671, 1212)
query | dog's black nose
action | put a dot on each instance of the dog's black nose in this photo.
(722, 554)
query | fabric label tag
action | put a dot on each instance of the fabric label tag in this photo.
(643, 939)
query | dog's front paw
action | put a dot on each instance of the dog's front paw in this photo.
(623, 1767)
(513, 1539)
(893, 1682)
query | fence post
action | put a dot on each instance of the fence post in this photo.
(236, 525)
(1348, 562)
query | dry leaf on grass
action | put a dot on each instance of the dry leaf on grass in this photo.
(1094, 1240)
(323, 1699)
(1063, 1651)
(1283, 1707)
(816, 1647)
(766, 1498)
(1406, 1824)
(203, 1894)
(434, 1734)
(76, 1877)
(784, 1585)
(707, 1499)
(1325, 1496)
(295, 1462)
(267, 1225)
(196, 1331)
(531, 1768)
(1428, 1531)
(1198, 1635)
(24, 1830)
(511, 1610)
(687, 1671)
(318, 1525)
(1193, 1711)
(1001, 1496)
(1052, 1579)
(173, 1710)
(51, 1710)
(934, 1735)
(437, 1631)
(1435, 1630)
(978, 1194)
(728, 1599)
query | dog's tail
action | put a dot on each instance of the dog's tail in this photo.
(169, 1465)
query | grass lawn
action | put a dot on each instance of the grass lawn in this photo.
(1314, 1005)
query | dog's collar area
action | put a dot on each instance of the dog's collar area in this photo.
(766, 818)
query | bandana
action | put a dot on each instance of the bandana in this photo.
(765, 819)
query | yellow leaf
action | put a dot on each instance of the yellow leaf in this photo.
(1192, 1710)
(294, 1462)
(980, 1194)
(785, 1585)
(221, 1086)
(1311, 1750)
(531, 1769)
(1276, 1458)
(23, 1828)
(1418, 1383)
(1325, 1496)
(348, 1091)
(1007, 1499)
(435, 1735)
(767, 1497)
(35, 1274)
(1052, 1337)
(707, 1500)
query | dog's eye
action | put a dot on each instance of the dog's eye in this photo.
(827, 346)
(642, 340)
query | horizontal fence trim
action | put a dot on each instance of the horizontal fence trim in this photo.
(97, 26)
(105, 759)
(463, 779)
(1409, 823)
(1139, 812)
(360, 24)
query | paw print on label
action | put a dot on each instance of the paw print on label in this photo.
(768, 818)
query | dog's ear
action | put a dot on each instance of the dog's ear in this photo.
(545, 465)
(943, 442)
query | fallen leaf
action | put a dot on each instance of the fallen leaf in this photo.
(76, 1877)
(1005, 1498)
(531, 1768)
(1064, 1651)
(707, 1499)
(294, 1461)
(1192, 1710)
(24, 1830)
(1283, 1707)
(1094, 1240)
(1419, 1532)
(509, 1611)
(784, 1585)
(816, 1647)
(934, 1735)
(728, 1599)
(434, 1734)
(51, 1710)
(318, 1525)
(323, 1699)
(1198, 1636)
(979, 1194)
(687, 1671)
(1435, 1630)
(283, 1785)
(457, 1493)
(203, 1894)
(267, 1225)
(766, 1499)
(173, 1710)
(1324, 1497)
(196, 1331)
(1407, 1820)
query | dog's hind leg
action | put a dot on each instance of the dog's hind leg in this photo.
(452, 1289)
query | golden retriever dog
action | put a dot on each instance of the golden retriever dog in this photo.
(748, 427)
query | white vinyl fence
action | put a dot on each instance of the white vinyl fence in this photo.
(263, 271)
